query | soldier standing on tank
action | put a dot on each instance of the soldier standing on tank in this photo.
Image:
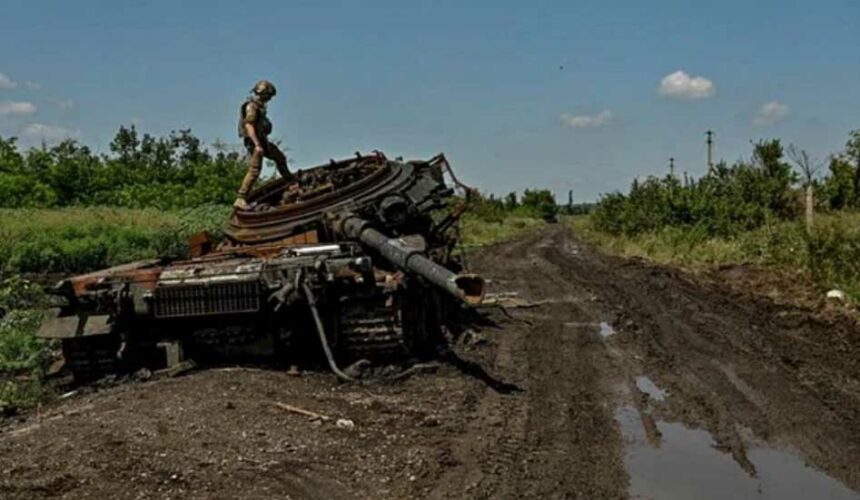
(254, 129)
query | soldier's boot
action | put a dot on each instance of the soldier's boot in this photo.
(285, 172)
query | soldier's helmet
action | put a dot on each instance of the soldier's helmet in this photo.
(264, 88)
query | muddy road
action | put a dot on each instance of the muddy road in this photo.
(626, 380)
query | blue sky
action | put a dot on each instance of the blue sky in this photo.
(558, 94)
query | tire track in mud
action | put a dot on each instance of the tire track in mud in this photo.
(749, 373)
(728, 362)
(556, 438)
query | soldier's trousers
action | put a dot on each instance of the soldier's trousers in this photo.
(255, 164)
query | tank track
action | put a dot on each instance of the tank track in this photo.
(370, 328)
(92, 358)
(215, 337)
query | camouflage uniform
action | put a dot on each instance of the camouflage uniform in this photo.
(253, 111)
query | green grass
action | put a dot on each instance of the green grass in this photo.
(22, 360)
(831, 254)
(479, 232)
(75, 240)
(22, 356)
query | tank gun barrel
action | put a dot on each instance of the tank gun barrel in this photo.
(467, 287)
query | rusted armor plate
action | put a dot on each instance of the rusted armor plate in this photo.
(55, 326)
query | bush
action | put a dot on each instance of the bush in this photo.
(833, 250)
(539, 203)
(727, 201)
(22, 356)
(142, 171)
(20, 350)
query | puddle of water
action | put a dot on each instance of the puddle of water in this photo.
(686, 465)
(648, 386)
(606, 329)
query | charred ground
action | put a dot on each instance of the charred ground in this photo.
(532, 405)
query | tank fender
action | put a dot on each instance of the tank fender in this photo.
(55, 326)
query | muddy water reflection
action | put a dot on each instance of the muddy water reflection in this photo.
(648, 386)
(606, 329)
(686, 465)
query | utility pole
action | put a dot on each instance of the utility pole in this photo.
(672, 177)
(710, 143)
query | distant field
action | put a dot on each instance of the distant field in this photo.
(831, 254)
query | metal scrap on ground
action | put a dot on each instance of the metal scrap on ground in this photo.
(302, 411)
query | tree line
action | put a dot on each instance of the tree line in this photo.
(176, 171)
(733, 198)
(173, 172)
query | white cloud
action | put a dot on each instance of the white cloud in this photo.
(49, 133)
(771, 113)
(680, 85)
(17, 108)
(586, 121)
(33, 85)
(6, 83)
(66, 104)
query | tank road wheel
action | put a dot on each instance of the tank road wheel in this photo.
(370, 328)
(421, 324)
(389, 328)
(93, 357)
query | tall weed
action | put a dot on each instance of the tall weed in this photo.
(74, 240)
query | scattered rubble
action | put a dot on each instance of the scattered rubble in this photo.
(302, 411)
(345, 423)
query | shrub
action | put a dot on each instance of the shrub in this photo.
(727, 201)
(142, 171)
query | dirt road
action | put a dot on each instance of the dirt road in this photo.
(627, 381)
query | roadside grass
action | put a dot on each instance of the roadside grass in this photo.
(77, 240)
(22, 356)
(478, 232)
(22, 360)
(831, 254)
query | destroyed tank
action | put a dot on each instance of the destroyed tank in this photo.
(356, 260)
